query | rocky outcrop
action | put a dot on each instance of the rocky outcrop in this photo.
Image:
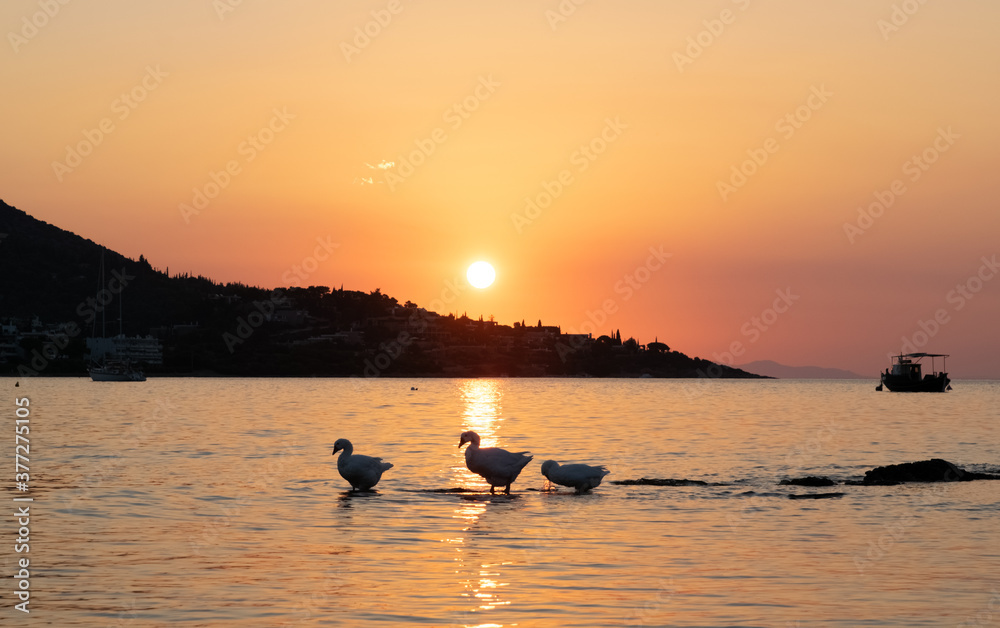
(934, 470)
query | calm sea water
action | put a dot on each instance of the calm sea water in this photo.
(216, 502)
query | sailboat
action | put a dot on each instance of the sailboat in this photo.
(114, 369)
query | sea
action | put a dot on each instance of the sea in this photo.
(217, 502)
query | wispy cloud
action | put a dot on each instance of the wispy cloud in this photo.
(382, 165)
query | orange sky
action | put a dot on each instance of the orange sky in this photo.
(834, 101)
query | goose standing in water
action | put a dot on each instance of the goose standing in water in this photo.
(498, 466)
(582, 477)
(363, 472)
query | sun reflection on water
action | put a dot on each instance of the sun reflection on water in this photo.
(483, 409)
(482, 413)
(481, 583)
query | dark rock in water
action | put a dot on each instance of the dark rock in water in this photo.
(816, 496)
(660, 482)
(448, 490)
(811, 480)
(756, 494)
(934, 470)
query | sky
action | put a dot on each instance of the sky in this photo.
(805, 182)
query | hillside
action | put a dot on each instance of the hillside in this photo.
(47, 307)
(51, 273)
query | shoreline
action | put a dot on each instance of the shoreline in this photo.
(409, 376)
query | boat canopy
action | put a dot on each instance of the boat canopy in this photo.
(924, 355)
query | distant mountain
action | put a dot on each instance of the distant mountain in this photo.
(783, 371)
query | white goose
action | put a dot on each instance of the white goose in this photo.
(498, 466)
(363, 472)
(582, 477)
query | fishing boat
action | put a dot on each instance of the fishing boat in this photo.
(906, 374)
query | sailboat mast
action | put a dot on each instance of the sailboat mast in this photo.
(121, 329)
(103, 310)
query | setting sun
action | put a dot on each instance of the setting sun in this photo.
(481, 275)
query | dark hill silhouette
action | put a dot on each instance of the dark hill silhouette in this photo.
(50, 272)
(206, 327)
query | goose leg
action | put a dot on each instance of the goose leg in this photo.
(507, 490)
(491, 490)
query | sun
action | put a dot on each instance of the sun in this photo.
(481, 275)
